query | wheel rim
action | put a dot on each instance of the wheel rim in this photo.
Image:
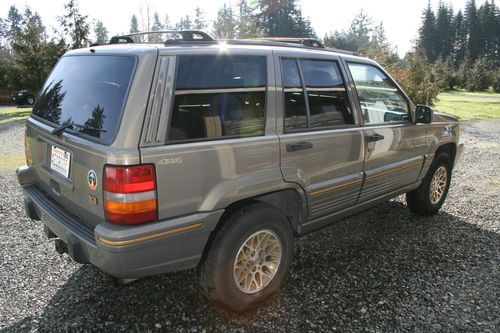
(257, 261)
(438, 184)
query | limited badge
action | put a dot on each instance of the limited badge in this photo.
(92, 180)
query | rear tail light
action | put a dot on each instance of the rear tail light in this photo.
(27, 153)
(130, 194)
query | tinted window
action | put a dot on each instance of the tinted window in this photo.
(218, 96)
(380, 99)
(88, 91)
(326, 94)
(295, 104)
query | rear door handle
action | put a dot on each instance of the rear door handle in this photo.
(375, 137)
(298, 146)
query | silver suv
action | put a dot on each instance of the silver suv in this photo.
(148, 158)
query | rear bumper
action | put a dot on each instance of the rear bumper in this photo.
(123, 251)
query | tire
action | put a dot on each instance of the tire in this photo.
(30, 100)
(217, 275)
(427, 199)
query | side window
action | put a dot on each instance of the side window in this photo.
(326, 94)
(219, 96)
(295, 103)
(315, 99)
(381, 101)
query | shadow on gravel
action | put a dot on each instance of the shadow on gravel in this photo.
(385, 269)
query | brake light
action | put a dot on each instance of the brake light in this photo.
(27, 153)
(130, 194)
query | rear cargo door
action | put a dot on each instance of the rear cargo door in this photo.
(70, 135)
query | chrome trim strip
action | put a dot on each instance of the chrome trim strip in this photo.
(331, 188)
(393, 170)
(150, 237)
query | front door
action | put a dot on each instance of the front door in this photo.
(394, 145)
(321, 144)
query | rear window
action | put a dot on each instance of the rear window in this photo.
(89, 92)
(219, 96)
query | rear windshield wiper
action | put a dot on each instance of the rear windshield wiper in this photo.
(69, 124)
(59, 129)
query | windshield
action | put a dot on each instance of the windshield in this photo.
(87, 90)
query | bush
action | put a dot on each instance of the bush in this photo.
(418, 80)
(496, 81)
(446, 74)
(479, 78)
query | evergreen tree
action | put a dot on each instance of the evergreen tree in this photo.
(75, 25)
(184, 24)
(488, 18)
(474, 43)
(445, 38)
(420, 83)
(134, 25)
(479, 78)
(199, 19)
(247, 22)
(13, 25)
(303, 26)
(427, 40)
(282, 18)
(225, 24)
(157, 26)
(460, 46)
(35, 54)
(101, 33)
(167, 24)
(357, 38)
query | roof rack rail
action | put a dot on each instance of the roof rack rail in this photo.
(305, 41)
(196, 37)
(185, 36)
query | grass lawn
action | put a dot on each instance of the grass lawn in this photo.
(462, 104)
(11, 114)
(468, 106)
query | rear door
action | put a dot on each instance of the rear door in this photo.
(394, 146)
(75, 121)
(212, 131)
(321, 143)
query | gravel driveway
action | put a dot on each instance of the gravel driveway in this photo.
(382, 270)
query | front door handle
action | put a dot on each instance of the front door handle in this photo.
(298, 146)
(375, 137)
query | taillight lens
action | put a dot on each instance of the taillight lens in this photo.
(130, 194)
(27, 153)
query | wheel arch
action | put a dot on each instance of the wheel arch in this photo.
(291, 202)
(449, 149)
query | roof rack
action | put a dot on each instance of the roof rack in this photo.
(310, 42)
(185, 36)
(196, 37)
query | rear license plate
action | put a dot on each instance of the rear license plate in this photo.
(59, 161)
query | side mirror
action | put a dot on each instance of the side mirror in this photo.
(424, 114)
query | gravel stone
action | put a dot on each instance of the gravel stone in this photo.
(382, 270)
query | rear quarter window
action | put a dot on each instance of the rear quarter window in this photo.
(89, 92)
